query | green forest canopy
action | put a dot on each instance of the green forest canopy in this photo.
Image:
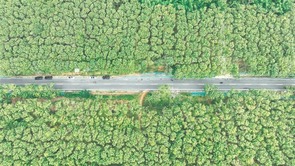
(241, 128)
(126, 36)
(277, 6)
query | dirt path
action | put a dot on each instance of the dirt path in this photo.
(142, 96)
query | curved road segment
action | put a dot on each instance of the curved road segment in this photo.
(140, 84)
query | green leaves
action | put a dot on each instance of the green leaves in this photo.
(240, 128)
(50, 38)
(279, 6)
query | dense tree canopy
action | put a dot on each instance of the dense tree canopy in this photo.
(277, 6)
(241, 128)
(126, 36)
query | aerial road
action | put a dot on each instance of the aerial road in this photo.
(140, 84)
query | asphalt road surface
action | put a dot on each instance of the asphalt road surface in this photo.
(139, 84)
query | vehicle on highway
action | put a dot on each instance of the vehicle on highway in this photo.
(38, 78)
(92, 77)
(48, 77)
(106, 77)
(71, 77)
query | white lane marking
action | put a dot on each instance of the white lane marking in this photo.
(149, 78)
(191, 90)
(182, 80)
(168, 81)
(132, 84)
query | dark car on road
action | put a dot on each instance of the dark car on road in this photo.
(38, 78)
(48, 77)
(106, 77)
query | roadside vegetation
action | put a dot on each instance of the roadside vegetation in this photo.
(183, 38)
(131, 36)
(239, 128)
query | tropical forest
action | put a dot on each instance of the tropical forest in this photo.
(236, 128)
(41, 125)
(186, 38)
